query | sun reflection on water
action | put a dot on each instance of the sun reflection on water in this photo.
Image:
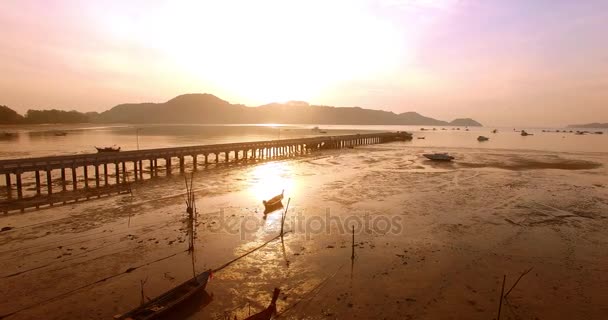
(269, 179)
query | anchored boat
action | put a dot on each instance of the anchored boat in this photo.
(108, 149)
(270, 311)
(438, 156)
(274, 203)
(162, 304)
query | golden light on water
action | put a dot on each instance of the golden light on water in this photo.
(270, 179)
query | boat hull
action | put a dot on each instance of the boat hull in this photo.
(101, 150)
(166, 302)
(273, 204)
(439, 157)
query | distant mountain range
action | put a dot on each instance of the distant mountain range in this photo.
(209, 109)
(589, 125)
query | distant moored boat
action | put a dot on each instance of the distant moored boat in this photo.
(482, 138)
(107, 149)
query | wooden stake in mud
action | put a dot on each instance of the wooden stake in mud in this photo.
(502, 292)
(192, 216)
(143, 296)
(284, 216)
(352, 254)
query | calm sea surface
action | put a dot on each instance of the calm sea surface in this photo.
(42, 140)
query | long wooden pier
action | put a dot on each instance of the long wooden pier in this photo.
(93, 174)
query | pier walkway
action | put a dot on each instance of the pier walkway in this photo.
(95, 174)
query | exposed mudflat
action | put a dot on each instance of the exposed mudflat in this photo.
(433, 240)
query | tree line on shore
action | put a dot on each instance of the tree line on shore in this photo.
(10, 116)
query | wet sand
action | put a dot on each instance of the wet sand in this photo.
(462, 227)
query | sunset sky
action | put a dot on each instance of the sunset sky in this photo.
(501, 62)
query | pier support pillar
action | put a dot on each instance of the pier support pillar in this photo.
(194, 162)
(49, 182)
(181, 164)
(117, 172)
(168, 166)
(124, 171)
(19, 186)
(141, 170)
(105, 174)
(37, 175)
(97, 177)
(86, 176)
(8, 185)
(74, 179)
(135, 172)
(63, 182)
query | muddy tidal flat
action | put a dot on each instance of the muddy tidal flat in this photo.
(432, 240)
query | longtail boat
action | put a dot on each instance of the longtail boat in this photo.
(270, 311)
(108, 149)
(160, 305)
(274, 203)
(438, 156)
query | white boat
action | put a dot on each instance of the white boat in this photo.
(438, 156)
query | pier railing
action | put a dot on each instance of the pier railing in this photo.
(83, 172)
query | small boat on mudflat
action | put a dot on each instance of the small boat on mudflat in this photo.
(482, 138)
(107, 149)
(61, 133)
(318, 130)
(438, 156)
(160, 305)
(273, 204)
(270, 311)
(524, 133)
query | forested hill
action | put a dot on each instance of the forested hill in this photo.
(209, 109)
